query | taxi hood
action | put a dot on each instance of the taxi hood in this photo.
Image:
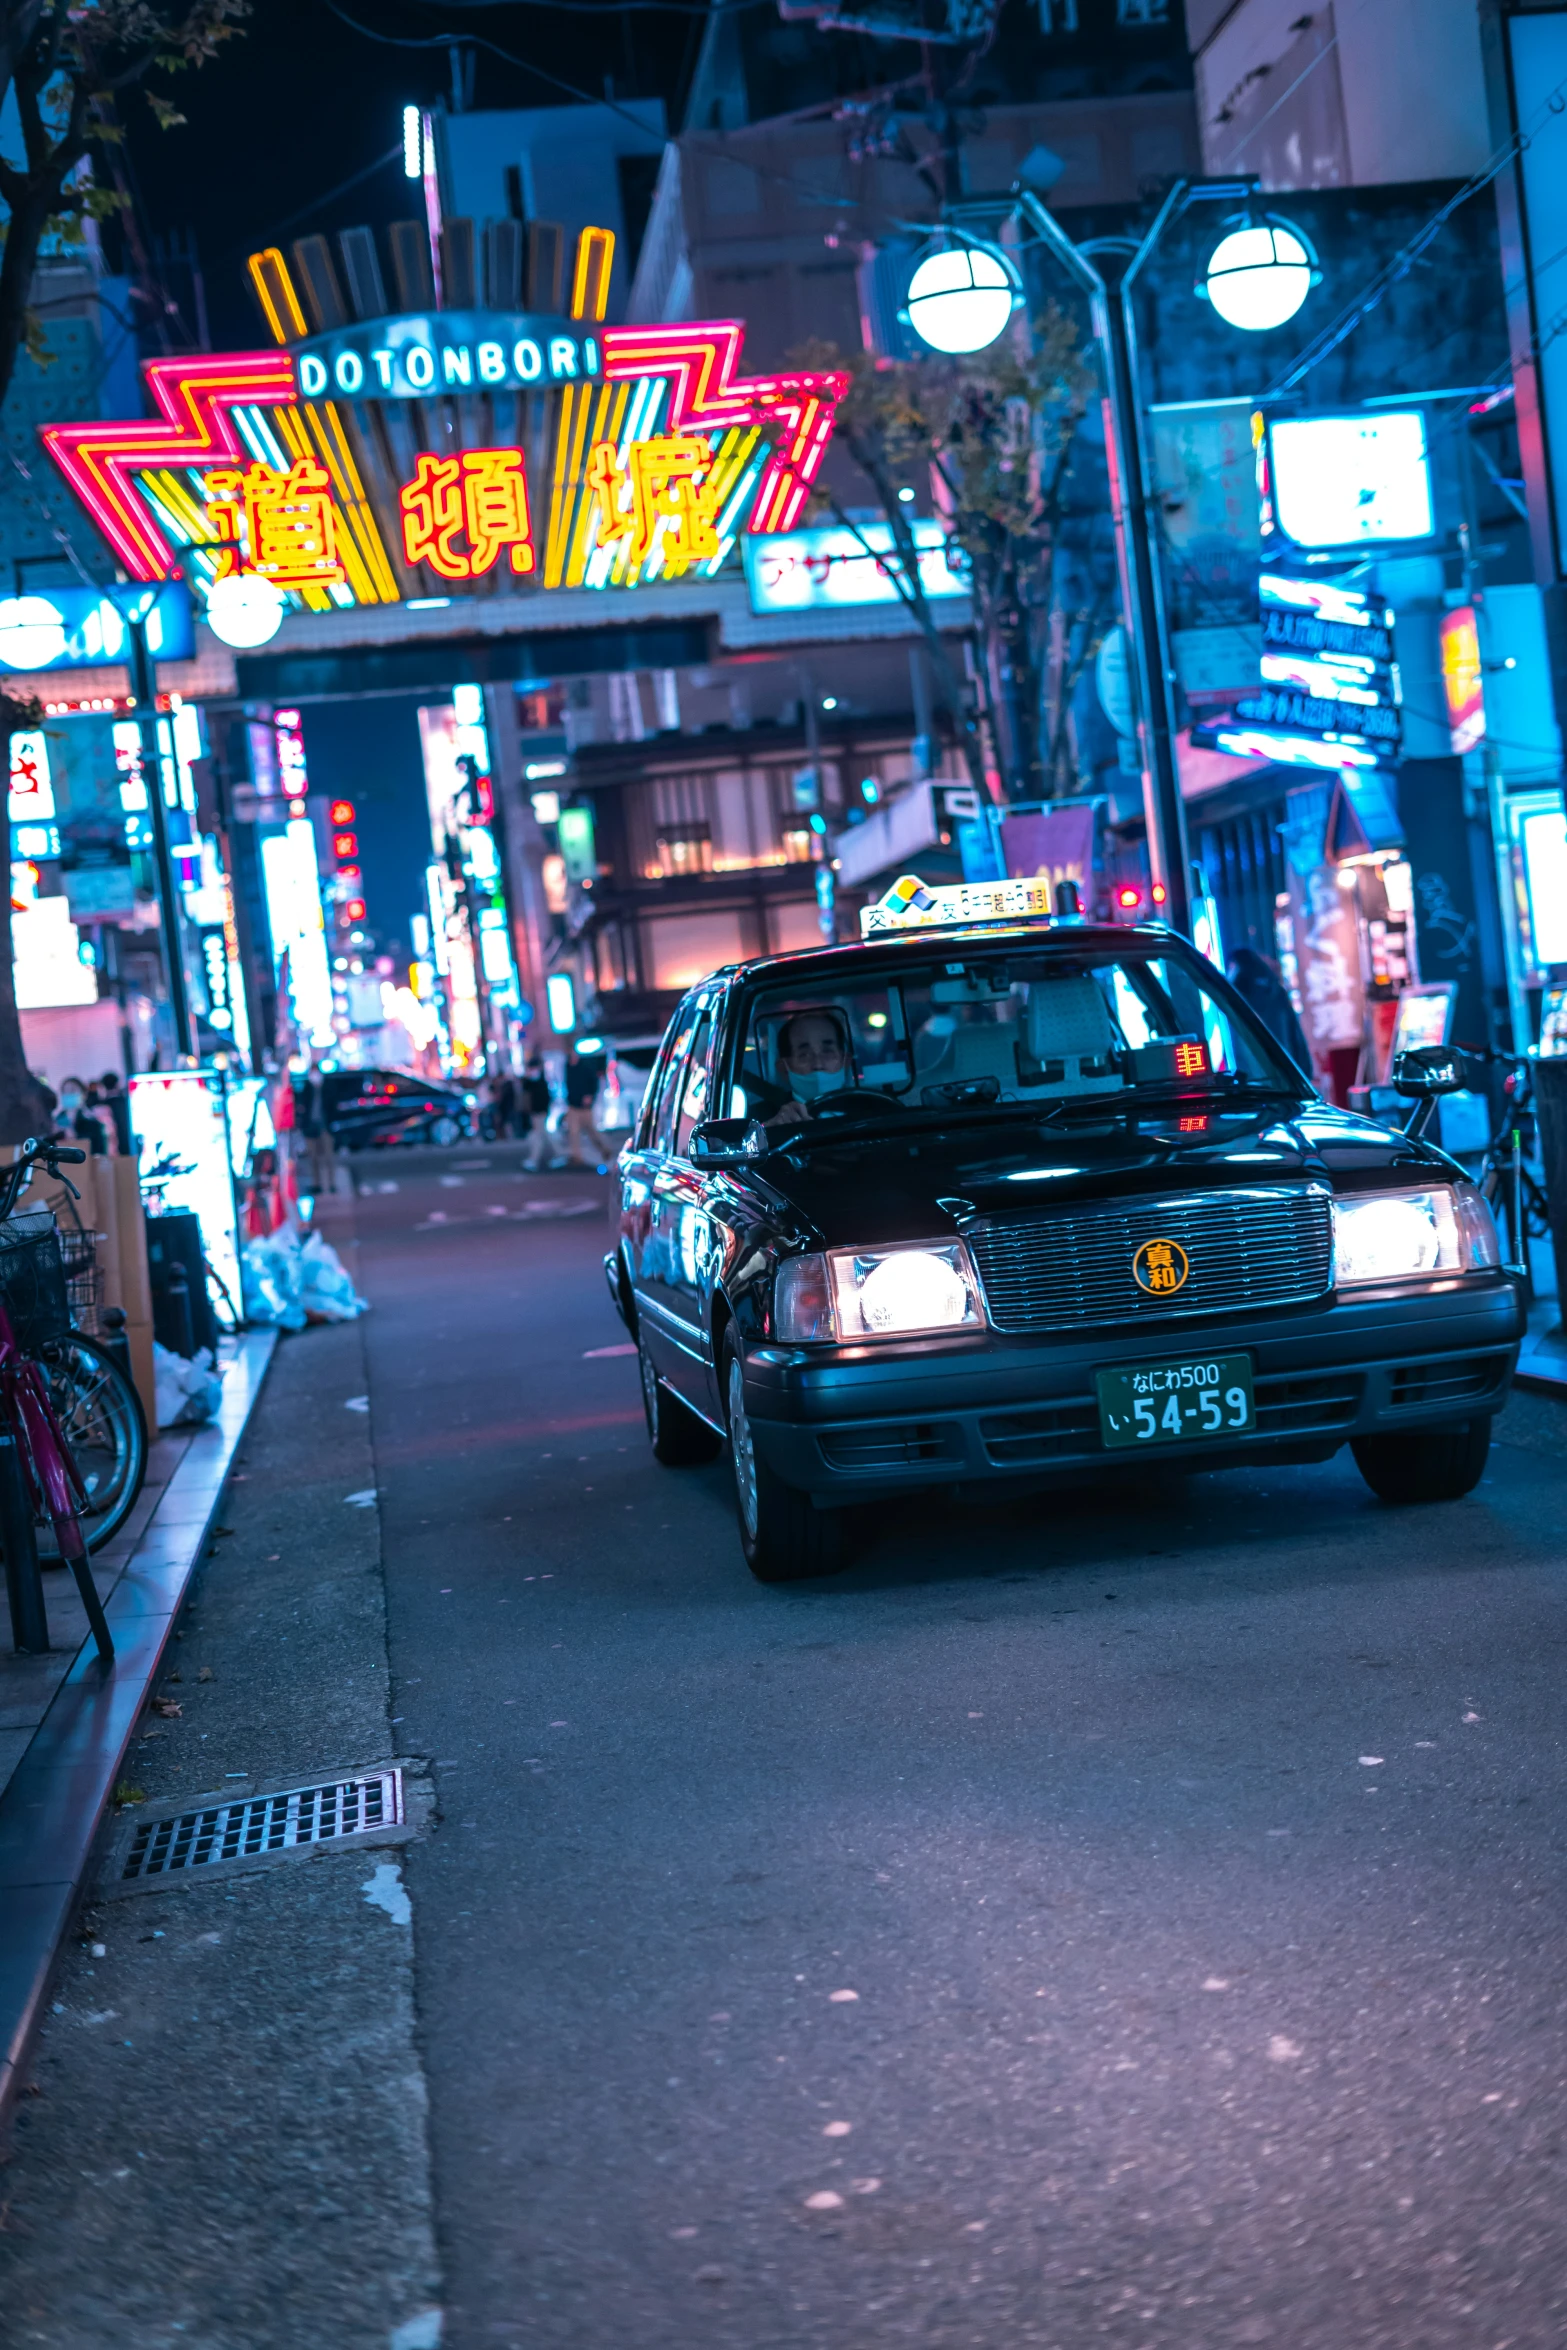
(883, 1185)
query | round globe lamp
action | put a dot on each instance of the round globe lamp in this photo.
(245, 609)
(1258, 275)
(32, 633)
(961, 296)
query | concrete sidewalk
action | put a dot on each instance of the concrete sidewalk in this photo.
(66, 1720)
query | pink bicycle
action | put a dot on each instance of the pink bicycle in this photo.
(39, 1478)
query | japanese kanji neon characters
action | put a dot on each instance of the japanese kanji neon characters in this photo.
(662, 496)
(282, 525)
(460, 513)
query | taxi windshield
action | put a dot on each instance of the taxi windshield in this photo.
(968, 1029)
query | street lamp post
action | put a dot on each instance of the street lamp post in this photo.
(1132, 507)
(144, 678)
(960, 299)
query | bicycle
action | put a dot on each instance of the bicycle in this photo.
(1515, 1196)
(39, 1476)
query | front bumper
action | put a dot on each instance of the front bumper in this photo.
(854, 1423)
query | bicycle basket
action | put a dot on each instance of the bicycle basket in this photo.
(83, 1274)
(32, 1281)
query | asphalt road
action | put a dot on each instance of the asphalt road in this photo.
(1131, 1917)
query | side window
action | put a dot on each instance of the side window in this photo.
(653, 1091)
(674, 1071)
(693, 1091)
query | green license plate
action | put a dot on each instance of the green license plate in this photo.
(1176, 1403)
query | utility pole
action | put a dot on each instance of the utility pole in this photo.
(144, 679)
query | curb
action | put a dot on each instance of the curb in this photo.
(51, 1810)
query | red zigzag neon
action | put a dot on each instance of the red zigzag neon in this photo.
(193, 397)
(700, 362)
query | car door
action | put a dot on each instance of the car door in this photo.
(679, 1192)
(645, 1238)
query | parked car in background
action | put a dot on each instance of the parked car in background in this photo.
(628, 1064)
(378, 1109)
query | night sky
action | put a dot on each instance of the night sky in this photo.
(303, 103)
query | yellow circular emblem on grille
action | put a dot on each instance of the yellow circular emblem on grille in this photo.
(1160, 1267)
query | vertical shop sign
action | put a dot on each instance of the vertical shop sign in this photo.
(1463, 679)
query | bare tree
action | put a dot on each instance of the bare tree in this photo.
(994, 436)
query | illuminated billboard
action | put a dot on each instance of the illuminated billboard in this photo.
(805, 570)
(78, 628)
(1346, 481)
(291, 880)
(1463, 678)
(1328, 694)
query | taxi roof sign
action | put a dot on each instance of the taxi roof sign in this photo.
(911, 905)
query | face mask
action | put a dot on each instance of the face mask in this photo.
(70, 1099)
(808, 1085)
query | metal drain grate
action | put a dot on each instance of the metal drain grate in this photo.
(266, 1823)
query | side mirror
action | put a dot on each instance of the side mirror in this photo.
(1430, 1070)
(728, 1142)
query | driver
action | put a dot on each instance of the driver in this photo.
(814, 1060)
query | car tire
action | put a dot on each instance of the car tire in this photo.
(785, 1539)
(1424, 1464)
(679, 1439)
(444, 1132)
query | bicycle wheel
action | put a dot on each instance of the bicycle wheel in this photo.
(102, 1421)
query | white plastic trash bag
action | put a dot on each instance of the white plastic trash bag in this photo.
(188, 1392)
(325, 1290)
(270, 1282)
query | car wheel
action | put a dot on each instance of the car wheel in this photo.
(444, 1132)
(679, 1439)
(784, 1537)
(1426, 1464)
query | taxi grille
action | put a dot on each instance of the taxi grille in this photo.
(1248, 1247)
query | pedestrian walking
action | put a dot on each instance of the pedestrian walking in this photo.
(113, 1098)
(503, 1104)
(77, 1120)
(311, 1122)
(583, 1078)
(533, 1114)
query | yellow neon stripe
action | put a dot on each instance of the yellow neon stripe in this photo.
(611, 407)
(734, 452)
(291, 431)
(175, 495)
(555, 528)
(274, 290)
(380, 584)
(590, 278)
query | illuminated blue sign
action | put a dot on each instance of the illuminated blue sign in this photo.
(85, 628)
(447, 351)
(805, 570)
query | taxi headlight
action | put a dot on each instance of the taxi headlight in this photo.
(1400, 1235)
(877, 1293)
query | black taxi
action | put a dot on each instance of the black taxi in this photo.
(996, 1197)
